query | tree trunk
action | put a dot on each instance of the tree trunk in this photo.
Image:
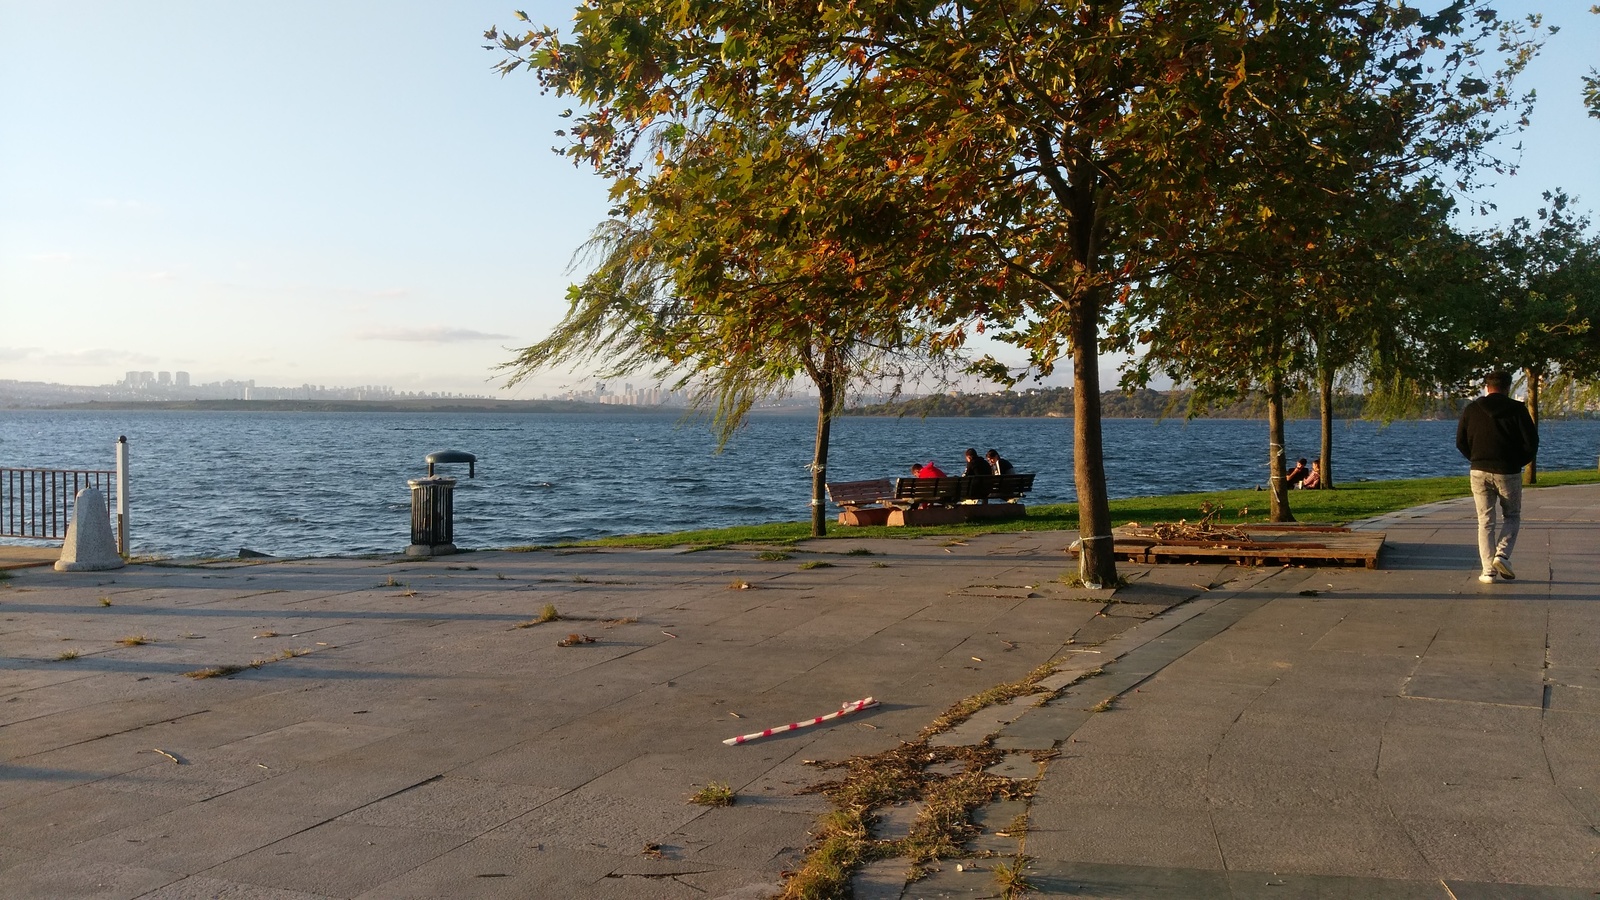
(1530, 473)
(819, 458)
(1278, 487)
(1097, 559)
(1325, 397)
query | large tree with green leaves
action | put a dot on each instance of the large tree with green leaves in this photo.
(1306, 262)
(1072, 147)
(1539, 306)
(737, 283)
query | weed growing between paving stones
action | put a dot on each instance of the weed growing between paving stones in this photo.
(225, 671)
(955, 715)
(872, 782)
(860, 551)
(1073, 579)
(65, 655)
(219, 671)
(548, 614)
(1010, 878)
(391, 581)
(816, 564)
(105, 601)
(133, 640)
(772, 555)
(717, 793)
(739, 584)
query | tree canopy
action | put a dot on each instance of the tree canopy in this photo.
(1063, 152)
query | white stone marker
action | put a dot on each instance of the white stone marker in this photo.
(90, 545)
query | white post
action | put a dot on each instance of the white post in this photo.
(122, 495)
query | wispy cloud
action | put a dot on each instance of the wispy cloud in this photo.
(97, 356)
(433, 334)
(51, 257)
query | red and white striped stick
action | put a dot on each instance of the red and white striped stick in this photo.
(847, 709)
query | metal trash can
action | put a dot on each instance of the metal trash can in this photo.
(433, 505)
(432, 516)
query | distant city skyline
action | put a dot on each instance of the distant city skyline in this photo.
(315, 193)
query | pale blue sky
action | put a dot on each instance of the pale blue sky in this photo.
(341, 192)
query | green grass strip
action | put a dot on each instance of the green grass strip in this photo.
(1347, 503)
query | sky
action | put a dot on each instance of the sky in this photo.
(343, 193)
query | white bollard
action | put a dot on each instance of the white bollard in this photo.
(122, 497)
(90, 545)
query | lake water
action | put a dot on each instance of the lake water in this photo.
(320, 484)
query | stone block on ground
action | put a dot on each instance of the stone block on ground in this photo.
(90, 545)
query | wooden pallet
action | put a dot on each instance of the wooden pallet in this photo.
(1308, 545)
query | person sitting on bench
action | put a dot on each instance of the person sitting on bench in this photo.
(977, 465)
(998, 464)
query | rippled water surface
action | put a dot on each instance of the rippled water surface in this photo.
(296, 484)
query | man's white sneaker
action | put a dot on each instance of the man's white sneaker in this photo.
(1503, 568)
(1486, 579)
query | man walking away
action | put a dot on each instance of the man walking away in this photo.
(1498, 436)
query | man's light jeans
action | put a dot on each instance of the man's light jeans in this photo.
(1489, 491)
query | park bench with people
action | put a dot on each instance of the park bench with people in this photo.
(930, 501)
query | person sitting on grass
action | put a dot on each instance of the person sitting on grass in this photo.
(1297, 474)
(1313, 481)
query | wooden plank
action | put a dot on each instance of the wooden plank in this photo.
(929, 515)
(865, 515)
(1324, 545)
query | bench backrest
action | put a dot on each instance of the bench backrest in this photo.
(997, 487)
(967, 487)
(928, 490)
(860, 493)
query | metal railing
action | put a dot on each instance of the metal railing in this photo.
(37, 503)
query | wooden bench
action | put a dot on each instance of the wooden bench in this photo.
(862, 502)
(942, 501)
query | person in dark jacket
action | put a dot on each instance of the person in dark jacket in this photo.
(999, 464)
(976, 465)
(1297, 474)
(1498, 437)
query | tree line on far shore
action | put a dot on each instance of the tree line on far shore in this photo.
(1151, 404)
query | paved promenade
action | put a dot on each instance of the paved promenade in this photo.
(384, 727)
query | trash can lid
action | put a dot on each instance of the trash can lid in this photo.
(453, 456)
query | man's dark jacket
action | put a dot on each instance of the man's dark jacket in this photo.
(1497, 434)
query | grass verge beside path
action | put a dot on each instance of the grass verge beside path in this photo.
(1347, 503)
